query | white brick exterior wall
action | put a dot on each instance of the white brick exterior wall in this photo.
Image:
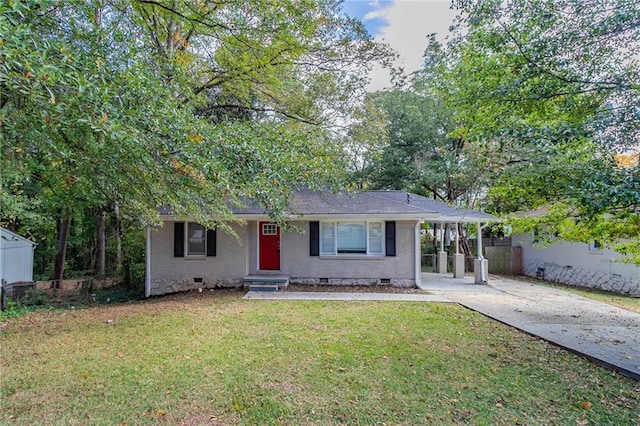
(237, 258)
(172, 274)
(353, 270)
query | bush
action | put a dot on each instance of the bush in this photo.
(13, 309)
(34, 297)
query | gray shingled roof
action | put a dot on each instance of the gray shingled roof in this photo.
(378, 203)
(309, 203)
(427, 204)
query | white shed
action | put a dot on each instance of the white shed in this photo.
(16, 257)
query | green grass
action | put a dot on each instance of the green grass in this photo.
(213, 358)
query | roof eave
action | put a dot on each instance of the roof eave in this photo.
(424, 217)
(466, 219)
(17, 237)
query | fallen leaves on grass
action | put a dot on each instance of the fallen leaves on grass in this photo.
(390, 361)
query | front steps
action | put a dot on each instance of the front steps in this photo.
(265, 282)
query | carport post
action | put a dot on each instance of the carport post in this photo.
(442, 255)
(418, 258)
(457, 239)
(458, 259)
(480, 265)
(480, 241)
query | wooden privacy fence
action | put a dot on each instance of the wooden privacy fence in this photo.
(504, 260)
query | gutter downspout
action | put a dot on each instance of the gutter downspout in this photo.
(147, 269)
(418, 260)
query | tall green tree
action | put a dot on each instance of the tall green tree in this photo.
(189, 104)
(421, 152)
(550, 90)
(420, 156)
(365, 141)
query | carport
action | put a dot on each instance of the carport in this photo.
(455, 216)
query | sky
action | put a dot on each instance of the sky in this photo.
(404, 24)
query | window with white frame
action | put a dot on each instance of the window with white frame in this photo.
(352, 237)
(269, 229)
(196, 239)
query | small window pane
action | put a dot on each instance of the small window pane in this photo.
(196, 240)
(352, 237)
(327, 238)
(375, 238)
(269, 229)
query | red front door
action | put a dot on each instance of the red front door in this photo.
(269, 246)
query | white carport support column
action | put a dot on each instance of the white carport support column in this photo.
(458, 259)
(147, 269)
(480, 265)
(442, 255)
(418, 257)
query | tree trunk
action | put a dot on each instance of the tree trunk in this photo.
(13, 226)
(101, 241)
(97, 14)
(128, 280)
(118, 240)
(61, 255)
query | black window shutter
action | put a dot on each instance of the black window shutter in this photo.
(178, 239)
(390, 238)
(314, 238)
(211, 242)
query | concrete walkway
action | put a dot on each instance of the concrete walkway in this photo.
(321, 295)
(603, 333)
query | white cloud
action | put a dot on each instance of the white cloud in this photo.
(408, 24)
(373, 15)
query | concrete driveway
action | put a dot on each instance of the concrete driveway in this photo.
(603, 333)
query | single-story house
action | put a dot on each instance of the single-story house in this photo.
(16, 257)
(371, 237)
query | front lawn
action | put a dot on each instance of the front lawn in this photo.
(213, 358)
